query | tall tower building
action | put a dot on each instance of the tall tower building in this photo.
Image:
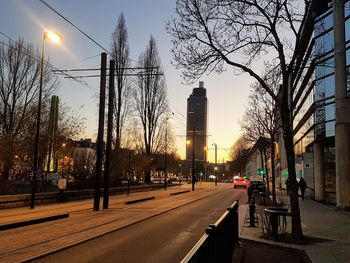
(197, 119)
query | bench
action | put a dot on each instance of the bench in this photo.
(275, 214)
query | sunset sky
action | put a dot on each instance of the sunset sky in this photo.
(29, 19)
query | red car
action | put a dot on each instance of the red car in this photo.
(240, 182)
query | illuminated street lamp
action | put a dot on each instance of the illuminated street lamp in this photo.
(55, 38)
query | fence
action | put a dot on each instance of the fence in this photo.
(219, 241)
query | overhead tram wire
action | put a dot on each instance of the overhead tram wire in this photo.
(79, 61)
(38, 59)
(64, 72)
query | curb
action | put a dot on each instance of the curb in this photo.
(33, 221)
(177, 193)
(139, 200)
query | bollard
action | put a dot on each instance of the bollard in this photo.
(264, 197)
(252, 212)
(128, 192)
(274, 226)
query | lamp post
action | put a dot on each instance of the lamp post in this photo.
(205, 163)
(54, 37)
(188, 142)
(193, 159)
(216, 163)
(166, 152)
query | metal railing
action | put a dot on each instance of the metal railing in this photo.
(219, 241)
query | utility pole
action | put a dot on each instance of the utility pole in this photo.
(342, 109)
(165, 154)
(109, 135)
(205, 163)
(101, 120)
(216, 163)
(129, 172)
(193, 160)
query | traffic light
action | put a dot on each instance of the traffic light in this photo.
(261, 171)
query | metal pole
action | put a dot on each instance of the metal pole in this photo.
(165, 154)
(99, 147)
(205, 164)
(37, 132)
(216, 164)
(129, 163)
(193, 160)
(109, 135)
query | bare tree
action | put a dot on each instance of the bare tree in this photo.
(120, 51)
(207, 35)
(239, 154)
(70, 123)
(261, 121)
(150, 97)
(19, 81)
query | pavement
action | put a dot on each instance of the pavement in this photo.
(326, 231)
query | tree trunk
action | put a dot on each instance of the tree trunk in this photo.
(118, 114)
(262, 164)
(8, 163)
(273, 175)
(267, 171)
(297, 231)
(5, 172)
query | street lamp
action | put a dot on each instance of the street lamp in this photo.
(188, 142)
(55, 38)
(216, 163)
(205, 163)
(193, 159)
(167, 119)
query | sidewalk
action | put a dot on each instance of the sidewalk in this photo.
(27, 243)
(326, 228)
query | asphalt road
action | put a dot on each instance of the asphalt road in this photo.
(163, 238)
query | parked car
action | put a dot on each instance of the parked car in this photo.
(256, 186)
(240, 182)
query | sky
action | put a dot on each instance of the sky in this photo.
(29, 19)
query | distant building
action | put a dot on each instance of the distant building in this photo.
(197, 122)
(83, 151)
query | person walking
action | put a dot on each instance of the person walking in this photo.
(302, 187)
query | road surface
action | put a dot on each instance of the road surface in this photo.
(164, 238)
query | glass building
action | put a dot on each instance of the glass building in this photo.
(314, 121)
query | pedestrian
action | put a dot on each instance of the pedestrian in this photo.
(288, 186)
(62, 184)
(302, 187)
